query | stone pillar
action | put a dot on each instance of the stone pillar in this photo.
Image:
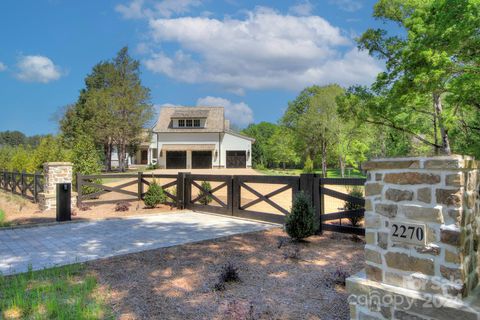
(421, 252)
(55, 172)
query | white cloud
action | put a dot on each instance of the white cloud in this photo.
(138, 9)
(238, 113)
(264, 50)
(3, 67)
(302, 9)
(348, 5)
(133, 10)
(37, 69)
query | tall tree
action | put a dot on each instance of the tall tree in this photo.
(432, 68)
(313, 116)
(113, 109)
(262, 133)
(282, 147)
(132, 107)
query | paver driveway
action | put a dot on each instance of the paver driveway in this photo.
(47, 246)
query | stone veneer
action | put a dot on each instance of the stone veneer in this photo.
(442, 193)
(55, 172)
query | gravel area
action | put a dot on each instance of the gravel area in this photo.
(279, 279)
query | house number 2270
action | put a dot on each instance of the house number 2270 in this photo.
(408, 233)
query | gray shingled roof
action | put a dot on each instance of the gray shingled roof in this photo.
(215, 118)
(179, 113)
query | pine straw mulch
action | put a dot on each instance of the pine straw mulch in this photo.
(279, 279)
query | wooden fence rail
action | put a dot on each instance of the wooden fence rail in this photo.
(226, 196)
(27, 185)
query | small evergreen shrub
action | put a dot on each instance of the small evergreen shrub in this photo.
(122, 206)
(154, 195)
(358, 193)
(301, 223)
(206, 198)
(308, 166)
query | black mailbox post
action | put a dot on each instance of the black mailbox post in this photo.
(64, 196)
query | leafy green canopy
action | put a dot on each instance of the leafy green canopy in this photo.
(430, 87)
(113, 109)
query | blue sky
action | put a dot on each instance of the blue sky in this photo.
(250, 56)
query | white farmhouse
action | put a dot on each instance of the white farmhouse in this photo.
(195, 138)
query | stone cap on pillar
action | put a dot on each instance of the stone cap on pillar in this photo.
(57, 164)
(432, 163)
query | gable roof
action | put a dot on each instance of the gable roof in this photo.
(215, 119)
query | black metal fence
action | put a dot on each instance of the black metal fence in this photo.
(226, 194)
(27, 185)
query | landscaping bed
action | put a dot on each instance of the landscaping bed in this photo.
(20, 211)
(279, 279)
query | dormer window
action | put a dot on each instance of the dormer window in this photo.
(188, 123)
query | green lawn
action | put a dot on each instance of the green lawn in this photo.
(57, 293)
(331, 173)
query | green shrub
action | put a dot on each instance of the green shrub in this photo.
(308, 166)
(301, 222)
(206, 198)
(154, 195)
(357, 192)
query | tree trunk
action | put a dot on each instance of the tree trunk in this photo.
(443, 131)
(121, 157)
(342, 166)
(435, 131)
(108, 156)
(324, 159)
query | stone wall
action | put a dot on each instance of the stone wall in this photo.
(440, 193)
(55, 172)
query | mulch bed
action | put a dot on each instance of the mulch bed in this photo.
(279, 279)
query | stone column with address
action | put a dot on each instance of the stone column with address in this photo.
(55, 172)
(421, 218)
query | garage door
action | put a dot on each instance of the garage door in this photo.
(201, 159)
(176, 159)
(236, 159)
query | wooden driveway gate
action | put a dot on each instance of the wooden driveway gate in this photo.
(231, 202)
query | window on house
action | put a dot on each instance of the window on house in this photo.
(181, 123)
(189, 122)
(154, 153)
(196, 123)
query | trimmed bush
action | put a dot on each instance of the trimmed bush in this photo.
(358, 193)
(206, 198)
(154, 195)
(301, 222)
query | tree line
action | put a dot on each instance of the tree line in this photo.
(426, 101)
